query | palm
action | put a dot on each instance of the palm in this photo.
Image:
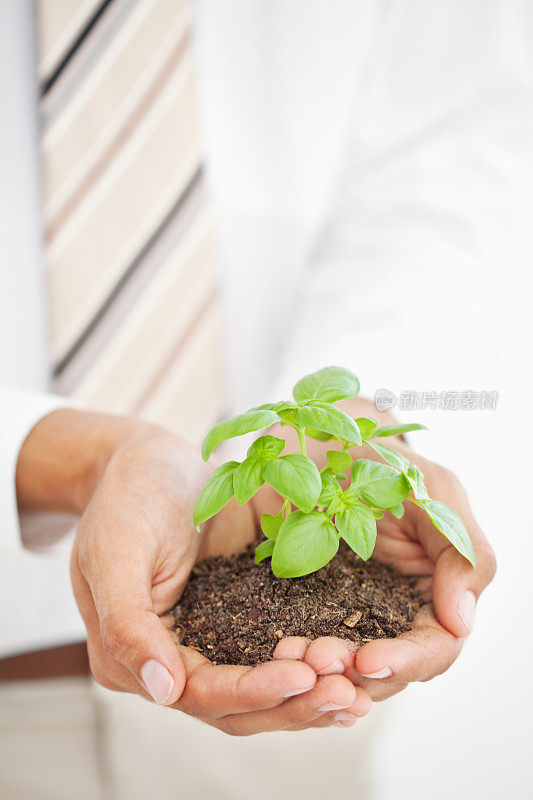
(399, 546)
(181, 547)
(414, 547)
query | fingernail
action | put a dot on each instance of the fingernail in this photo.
(466, 609)
(298, 691)
(344, 716)
(337, 668)
(381, 673)
(158, 680)
(332, 707)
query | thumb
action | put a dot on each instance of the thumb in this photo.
(144, 646)
(132, 633)
(457, 586)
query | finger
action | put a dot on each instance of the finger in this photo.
(395, 546)
(345, 718)
(457, 586)
(379, 691)
(418, 655)
(322, 650)
(418, 566)
(360, 708)
(322, 722)
(331, 693)
(330, 655)
(214, 691)
(325, 721)
(130, 630)
(104, 668)
(293, 648)
(109, 673)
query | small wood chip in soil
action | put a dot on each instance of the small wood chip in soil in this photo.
(235, 612)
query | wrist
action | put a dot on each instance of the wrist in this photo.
(65, 455)
(105, 438)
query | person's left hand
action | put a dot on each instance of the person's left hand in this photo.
(414, 547)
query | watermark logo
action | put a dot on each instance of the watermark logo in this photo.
(384, 400)
(448, 400)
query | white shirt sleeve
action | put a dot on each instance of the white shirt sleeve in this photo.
(19, 413)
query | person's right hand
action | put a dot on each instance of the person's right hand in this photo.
(133, 552)
(413, 546)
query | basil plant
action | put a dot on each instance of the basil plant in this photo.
(341, 501)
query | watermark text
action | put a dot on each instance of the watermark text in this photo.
(447, 400)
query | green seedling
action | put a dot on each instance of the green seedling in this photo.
(342, 500)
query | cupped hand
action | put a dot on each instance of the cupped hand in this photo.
(284, 694)
(413, 546)
(134, 549)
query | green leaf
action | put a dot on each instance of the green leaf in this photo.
(393, 457)
(264, 550)
(416, 479)
(337, 504)
(271, 524)
(350, 497)
(327, 418)
(321, 436)
(305, 543)
(248, 478)
(357, 526)
(379, 485)
(237, 426)
(339, 462)
(366, 425)
(328, 384)
(267, 447)
(295, 477)
(282, 405)
(217, 492)
(450, 524)
(397, 430)
(330, 488)
(397, 511)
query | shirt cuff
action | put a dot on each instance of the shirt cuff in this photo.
(19, 413)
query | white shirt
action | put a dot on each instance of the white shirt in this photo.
(371, 168)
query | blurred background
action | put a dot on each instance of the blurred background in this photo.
(385, 147)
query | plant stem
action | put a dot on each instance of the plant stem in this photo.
(301, 438)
